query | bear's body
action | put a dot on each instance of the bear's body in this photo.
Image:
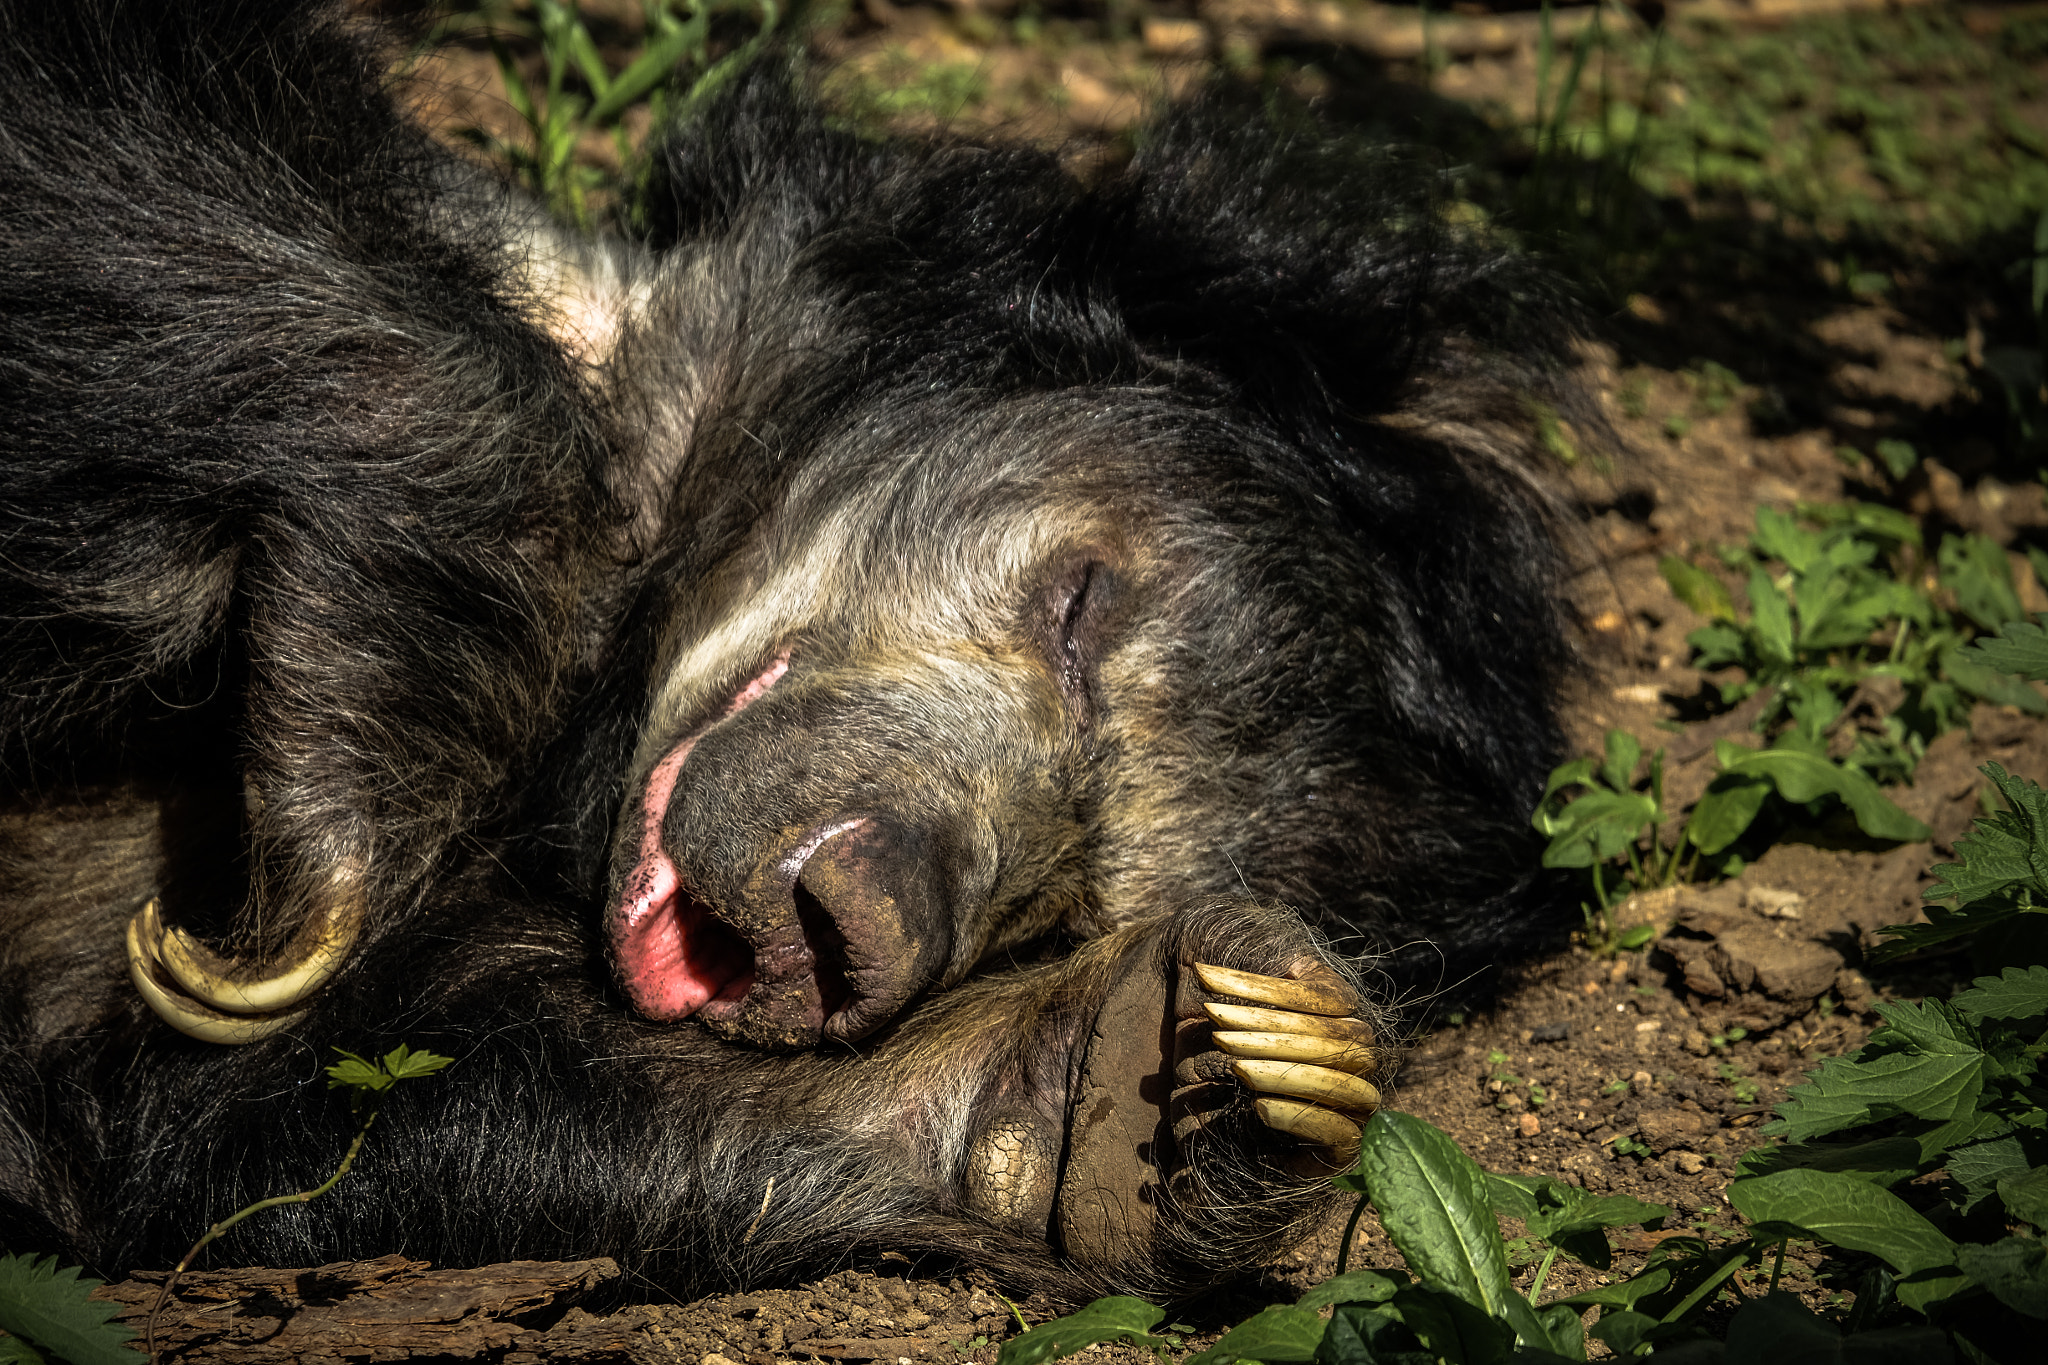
(616, 663)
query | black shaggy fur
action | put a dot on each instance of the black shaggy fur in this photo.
(902, 553)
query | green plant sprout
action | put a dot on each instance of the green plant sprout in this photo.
(1854, 659)
(580, 95)
(366, 1081)
(1741, 1084)
(1943, 1086)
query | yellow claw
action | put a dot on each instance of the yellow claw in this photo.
(1298, 1080)
(1251, 1019)
(1308, 997)
(1297, 1047)
(1313, 1123)
(183, 1013)
(202, 973)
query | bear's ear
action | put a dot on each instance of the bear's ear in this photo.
(1312, 274)
(754, 140)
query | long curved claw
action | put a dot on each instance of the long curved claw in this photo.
(1312, 1123)
(1305, 997)
(180, 1010)
(1250, 1019)
(1297, 1047)
(1315, 1084)
(203, 973)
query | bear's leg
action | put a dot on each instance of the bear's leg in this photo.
(1163, 1107)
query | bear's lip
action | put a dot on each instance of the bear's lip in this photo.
(674, 956)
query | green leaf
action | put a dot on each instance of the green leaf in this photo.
(1432, 1201)
(1770, 619)
(1979, 1166)
(1515, 1196)
(1362, 1334)
(1803, 777)
(1840, 606)
(1779, 1329)
(1597, 826)
(2015, 1270)
(2015, 993)
(369, 1078)
(1847, 1092)
(1865, 518)
(1625, 1294)
(1580, 1232)
(404, 1064)
(1623, 1332)
(517, 93)
(357, 1073)
(655, 64)
(1624, 751)
(1885, 1160)
(1944, 925)
(1353, 1286)
(1814, 707)
(1718, 645)
(584, 51)
(1548, 1205)
(2026, 1196)
(15, 1351)
(1454, 1327)
(54, 1310)
(1605, 1211)
(1697, 588)
(1577, 773)
(2019, 647)
(1898, 457)
(2006, 850)
(1567, 1339)
(1568, 1218)
(1855, 1214)
(2000, 689)
(1120, 1319)
(1728, 807)
(1781, 537)
(1973, 1125)
(1975, 568)
(1933, 1027)
(1279, 1332)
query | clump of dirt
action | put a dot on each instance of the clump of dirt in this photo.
(854, 1315)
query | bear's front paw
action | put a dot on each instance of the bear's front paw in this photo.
(1224, 1080)
(1297, 1042)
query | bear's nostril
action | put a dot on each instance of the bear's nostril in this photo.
(871, 900)
(828, 950)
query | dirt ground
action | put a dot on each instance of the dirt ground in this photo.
(1644, 1073)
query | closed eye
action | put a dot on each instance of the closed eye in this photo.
(1073, 610)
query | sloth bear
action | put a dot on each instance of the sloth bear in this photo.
(819, 705)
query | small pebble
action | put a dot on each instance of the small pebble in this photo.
(1529, 1124)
